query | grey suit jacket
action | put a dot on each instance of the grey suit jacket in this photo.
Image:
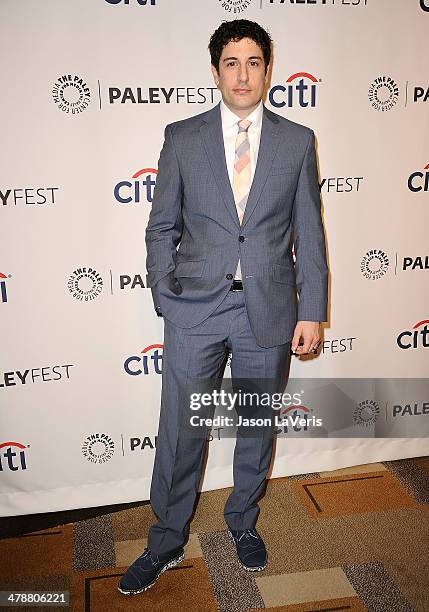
(194, 237)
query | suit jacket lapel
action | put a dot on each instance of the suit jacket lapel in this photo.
(267, 149)
(212, 136)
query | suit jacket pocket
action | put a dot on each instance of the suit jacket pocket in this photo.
(192, 269)
(283, 274)
(276, 170)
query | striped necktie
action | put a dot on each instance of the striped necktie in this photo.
(241, 177)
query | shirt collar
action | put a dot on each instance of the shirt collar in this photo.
(230, 119)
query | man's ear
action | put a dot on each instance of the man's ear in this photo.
(215, 74)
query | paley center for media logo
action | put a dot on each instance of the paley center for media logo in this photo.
(235, 7)
(137, 190)
(366, 413)
(71, 94)
(419, 181)
(148, 362)
(12, 456)
(384, 93)
(85, 284)
(3, 286)
(300, 89)
(98, 448)
(374, 264)
(416, 337)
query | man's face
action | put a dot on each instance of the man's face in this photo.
(241, 77)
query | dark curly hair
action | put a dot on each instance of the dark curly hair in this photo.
(236, 30)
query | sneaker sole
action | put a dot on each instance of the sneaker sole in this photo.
(169, 565)
(246, 567)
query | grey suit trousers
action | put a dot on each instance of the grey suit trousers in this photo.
(199, 352)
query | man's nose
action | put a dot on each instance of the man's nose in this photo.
(244, 76)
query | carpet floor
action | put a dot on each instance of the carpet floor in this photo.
(353, 539)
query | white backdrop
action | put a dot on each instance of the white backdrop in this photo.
(87, 88)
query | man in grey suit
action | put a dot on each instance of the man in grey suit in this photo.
(237, 186)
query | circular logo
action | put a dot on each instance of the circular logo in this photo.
(374, 264)
(235, 6)
(98, 448)
(383, 93)
(71, 94)
(366, 413)
(85, 284)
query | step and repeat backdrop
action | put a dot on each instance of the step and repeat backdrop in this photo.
(87, 89)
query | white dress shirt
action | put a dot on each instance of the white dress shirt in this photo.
(230, 131)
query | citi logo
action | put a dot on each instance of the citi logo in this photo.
(291, 412)
(296, 417)
(12, 456)
(419, 181)
(139, 190)
(149, 362)
(300, 89)
(415, 338)
(3, 287)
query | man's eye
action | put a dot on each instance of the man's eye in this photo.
(230, 63)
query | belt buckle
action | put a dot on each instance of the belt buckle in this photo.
(237, 285)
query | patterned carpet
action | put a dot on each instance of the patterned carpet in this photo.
(354, 539)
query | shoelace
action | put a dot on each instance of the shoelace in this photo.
(147, 553)
(247, 533)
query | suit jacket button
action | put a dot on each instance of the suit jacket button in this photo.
(229, 276)
(241, 238)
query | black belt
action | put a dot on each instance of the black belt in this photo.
(237, 285)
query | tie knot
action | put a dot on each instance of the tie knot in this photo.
(243, 125)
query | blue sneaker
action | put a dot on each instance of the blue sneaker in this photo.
(146, 570)
(251, 550)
